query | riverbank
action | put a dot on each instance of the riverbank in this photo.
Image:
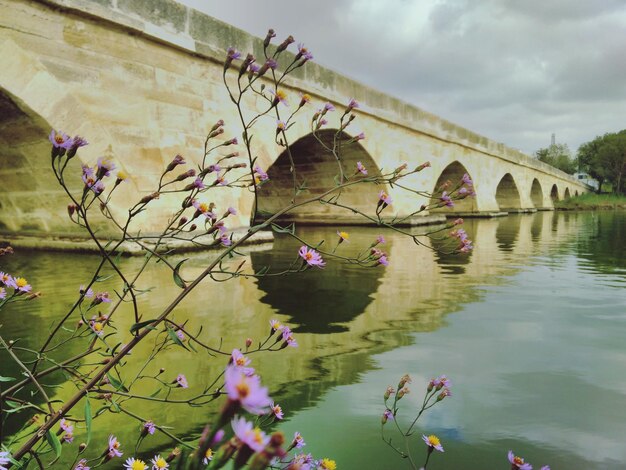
(592, 201)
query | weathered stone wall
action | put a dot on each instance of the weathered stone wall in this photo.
(142, 80)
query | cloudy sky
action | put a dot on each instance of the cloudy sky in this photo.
(514, 71)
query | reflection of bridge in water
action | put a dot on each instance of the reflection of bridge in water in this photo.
(414, 293)
(143, 83)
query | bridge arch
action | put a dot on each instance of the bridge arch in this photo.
(507, 194)
(567, 194)
(453, 173)
(316, 171)
(554, 193)
(536, 194)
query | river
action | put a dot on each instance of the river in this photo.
(530, 327)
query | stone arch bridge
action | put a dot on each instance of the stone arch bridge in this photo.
(142, 81)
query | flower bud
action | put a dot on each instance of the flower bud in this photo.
(175, 453)
(71, 208)
(182, 221)
(193, 227)
(248, 342)
(82, 447)
(270, 34)
(217, 125)
(283, 45)
(149, 197)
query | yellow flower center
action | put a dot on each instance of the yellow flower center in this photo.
(58, 138)
(328, 464)
(209, 454)
(240, 361)
(161, 463)
(306, 97)
(20, 282)
(203, 207)
(277, 409)
(518, 460)
(258, 437)
(281, 95)
(344, 235)
(97, 326)
(138, 465)
(434, 440)
(121, 175)
(243, 389)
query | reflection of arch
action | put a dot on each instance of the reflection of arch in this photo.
(567, 194)
(316, 171)
(507, 232)
(576, 193)
(453, 173)
(536, 194)
(507, 194)
(554, 193)
(319, 300)
(536, 227)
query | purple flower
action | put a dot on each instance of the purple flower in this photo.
(276, 410)
(383, 260)
(353, 104)
(361, 136)
(246, 390)
(276, 325)
(279, 97)
(380, 240)
(361, 168)
(383, 198)
(181, 381)
(545, 467)
(446, 199)
(60, 140)
(149, 427)
(198, 184)
(260, 175)
(3, 293)
(387, 415)
(298, 441)
(66, 426)
(249, 435)
(105, 166)
(467, 180)
(19, 284)
(4, 460)
(225, 240)
(288, 338)
(82, 465)
(518, 462)
(5, 278)
(88, 294)
(433, 442)
(68, 437)
(180, 335)
(254, 68)
(328, 107)
(303, 462)
(311, 257)
(233, 53)
(114, 447)
(102, 297)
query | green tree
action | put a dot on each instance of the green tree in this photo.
(558, 156)
(604, 158)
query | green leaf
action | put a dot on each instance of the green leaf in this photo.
(54, 442)
(88, 418)
(172, 334)
(154, 394)
(141, 324)
(6, 379)
(290, 229)
(177, 279)
(116, 383)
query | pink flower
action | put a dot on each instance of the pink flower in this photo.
(246, 390)
(311, 257)
(518, 462)
(249, 435)
(66, 426)
(181, 381)
(237, 359)
(361, 168)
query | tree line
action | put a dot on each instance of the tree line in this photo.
(603, 158)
